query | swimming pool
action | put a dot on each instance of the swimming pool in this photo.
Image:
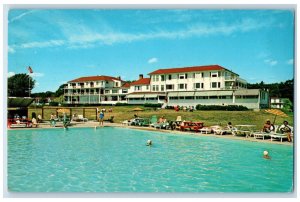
(116, 160)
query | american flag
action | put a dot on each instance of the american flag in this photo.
(30, 70)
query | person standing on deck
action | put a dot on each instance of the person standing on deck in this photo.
(101, 117)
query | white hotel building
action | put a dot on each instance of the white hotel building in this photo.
(186, 86)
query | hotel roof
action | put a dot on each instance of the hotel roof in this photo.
(143, 81)
(189, 69)
(95, 78)
(126, 85)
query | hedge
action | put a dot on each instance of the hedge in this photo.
(152, 105)
(222, 108)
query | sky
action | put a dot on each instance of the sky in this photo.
(61, 45)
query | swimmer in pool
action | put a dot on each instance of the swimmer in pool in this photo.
(266, 155)
(149, 143)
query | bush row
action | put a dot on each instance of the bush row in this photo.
(223, 108)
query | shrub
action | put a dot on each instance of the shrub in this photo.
(222, 108)
(152, 105)
(121, 104)
(53, 103)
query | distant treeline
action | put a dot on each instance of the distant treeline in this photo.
(281, 90)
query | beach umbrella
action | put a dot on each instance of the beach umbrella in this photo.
(138, 109)
(276, 112)
(63, 110)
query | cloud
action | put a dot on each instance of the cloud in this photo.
(271, 62)
(152, 60)
(290, 62)
(11, 50)
(85, 37)
(37, 74)
(20, 16)
(10, 74)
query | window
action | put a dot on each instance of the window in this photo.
(202, 75)
(153, 88)
(114, 91)
(214, 74)
(197, 85)
(117, 84)
(97, 83)
(124, 91)
(147, 87)
(181, 76)
(213, 97)
(182, 86)
(189, 97)
(162, 88)
(202, 85)
(106, 91)
(250, 96)
(169, 87)
(162, 77)
(173, 98)
(137, 88)
(194, 75)
(201, 97)
(157, 77)
(181, 97)
(157, 88)
(213, 84)
(170, 77)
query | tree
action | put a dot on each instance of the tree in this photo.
(60, 90)
(18, 85)
(281, 90)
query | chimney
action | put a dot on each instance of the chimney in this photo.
(141, 76)
(119, 77)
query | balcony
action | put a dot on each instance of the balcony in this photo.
(230, 78)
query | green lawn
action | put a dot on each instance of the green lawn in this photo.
(209, 118)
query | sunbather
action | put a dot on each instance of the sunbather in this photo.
(268, 127)
(286, 129)
(34, 122)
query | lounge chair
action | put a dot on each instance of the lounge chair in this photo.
(153, 120)
(223, 131)
(278, 136)
(81, 118)
(262, 135)
(18, 125)
(144, 122)
(111, 119)
(162, 125)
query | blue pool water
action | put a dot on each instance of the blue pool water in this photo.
(116, 160)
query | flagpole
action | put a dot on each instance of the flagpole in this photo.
(29, 83)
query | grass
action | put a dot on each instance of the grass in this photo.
(209, 118)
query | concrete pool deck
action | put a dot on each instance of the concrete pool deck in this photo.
(93, 124)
